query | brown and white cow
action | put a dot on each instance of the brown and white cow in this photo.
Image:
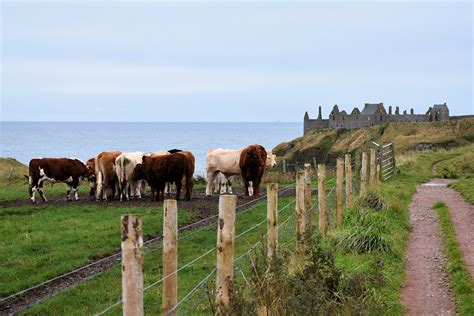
(252, 165)
(222, 164)
(67, 170)
(159, 169)
(124, 166)
(105, 173)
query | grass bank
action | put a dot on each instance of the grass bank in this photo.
(460, 279)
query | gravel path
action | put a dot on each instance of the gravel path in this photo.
(426, 290)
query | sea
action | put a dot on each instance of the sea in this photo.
(26, 140)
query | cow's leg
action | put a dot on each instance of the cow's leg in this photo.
(41, 192)
(210, 177)
(75, 187)
(99, 186)
(179, 185)
(223, 187)
(246, 183)
(33, 194)
(229, 186)
(153, 192)
(68, 191)
(250, 188)
(138, 189)
(106, 181)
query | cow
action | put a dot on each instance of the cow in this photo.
(157, 170)
(67, 170)
(91, 165)
(252, 163)
(221, 164)
(191, 161)
(125, 163)
(105, 173)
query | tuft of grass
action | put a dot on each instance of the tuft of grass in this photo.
(371, 200)
(460, 279)
(365, 232)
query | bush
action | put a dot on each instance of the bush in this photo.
(316, 287)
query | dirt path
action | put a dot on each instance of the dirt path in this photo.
(426, 290)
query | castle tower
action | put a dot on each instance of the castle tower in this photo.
(397, 110)
(306, 116)
(390, 110)
(411, 111)
(320, 117)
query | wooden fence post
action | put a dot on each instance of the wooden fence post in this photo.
(307, 222)
(299, 208)
(363, 174)
(284, 165)
(339, 182)
(348, 181)
(132, 265)
(272, 220)
(356, 173)
(170, 257)
(225, 253)
(323, 219)
(373, 167)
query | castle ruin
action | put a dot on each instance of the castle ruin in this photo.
(371, 115)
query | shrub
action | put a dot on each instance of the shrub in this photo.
(316, 287)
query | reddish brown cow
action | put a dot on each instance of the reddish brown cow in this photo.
(157, 170)
(67, 170)
(105, 173)
(91, 165)
(252, 165)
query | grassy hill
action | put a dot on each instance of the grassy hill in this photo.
(328, 144)
(12, 171)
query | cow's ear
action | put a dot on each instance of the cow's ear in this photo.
(144, 158)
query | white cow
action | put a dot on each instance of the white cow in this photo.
(221, 164)
(124, 166)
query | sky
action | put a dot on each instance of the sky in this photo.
(241, 61)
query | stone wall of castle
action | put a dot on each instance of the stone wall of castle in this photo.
(372, 114)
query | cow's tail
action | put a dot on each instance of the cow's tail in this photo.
(121, 176)
(30, 186)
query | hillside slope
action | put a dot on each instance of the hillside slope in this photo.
(12, 171)
(328, 144)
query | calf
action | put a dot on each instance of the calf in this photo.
(67, 170)
(105, 173)
(252, 165)
(158, 170)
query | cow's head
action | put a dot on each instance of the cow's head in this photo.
(255, 154)
(271, 160)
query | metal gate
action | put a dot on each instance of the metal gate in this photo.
(386, 160)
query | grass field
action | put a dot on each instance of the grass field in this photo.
(82, 233)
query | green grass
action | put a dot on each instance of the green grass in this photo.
(96, 294)
(460, 279)
(43, 241)
(461, 168)
(465, 186)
